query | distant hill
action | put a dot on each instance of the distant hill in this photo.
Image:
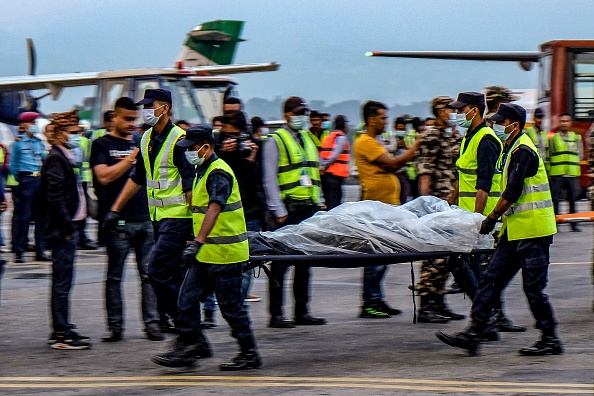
(271, 109)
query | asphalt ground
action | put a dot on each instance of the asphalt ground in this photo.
(348, 356)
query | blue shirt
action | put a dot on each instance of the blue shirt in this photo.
(26, 155)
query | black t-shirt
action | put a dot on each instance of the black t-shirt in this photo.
(110, 150)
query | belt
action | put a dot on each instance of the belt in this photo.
(34, 174)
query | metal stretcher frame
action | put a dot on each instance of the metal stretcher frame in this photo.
(358, 259)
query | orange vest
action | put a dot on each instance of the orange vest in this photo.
(340, 167)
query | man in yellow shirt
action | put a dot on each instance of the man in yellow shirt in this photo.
(379, 183)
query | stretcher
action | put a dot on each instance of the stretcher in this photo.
(580, 217)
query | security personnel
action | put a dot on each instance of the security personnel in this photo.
(540, 137)
(479, 182)
(525, 238)
(335, 158)
(168, 178)
(437, 177)
(316, 132)
(292, 187)
(27, 155)
(215, 258)
(565, 150)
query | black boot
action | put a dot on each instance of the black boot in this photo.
(427, 313)
(442, 309)
(468, 339)
(505, 325)
(184, 352)
(247, 359)
(208, 322)
(491, 331)
(549, 344)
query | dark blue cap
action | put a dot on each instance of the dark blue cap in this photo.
(538, 112)
(150, 95)
(469, 98)
(509, 111)
(195, 134)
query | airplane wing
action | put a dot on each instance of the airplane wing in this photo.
(234, 69)
(469, 55)
(53, 82)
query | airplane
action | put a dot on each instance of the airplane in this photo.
(198, 81)
(566, 80)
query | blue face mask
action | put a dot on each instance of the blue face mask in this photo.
(462, 121)
(193, 158)
(326, 125)
(500, 132)
(73, 141)
(33, 130)
(299, 123)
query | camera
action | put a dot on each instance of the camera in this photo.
(242, 143)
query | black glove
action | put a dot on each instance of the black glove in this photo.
(190, 252)
(488, 225)
(111, 220)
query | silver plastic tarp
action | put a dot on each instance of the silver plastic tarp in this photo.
(426, 224)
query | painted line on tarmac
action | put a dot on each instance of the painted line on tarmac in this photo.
(295, 382)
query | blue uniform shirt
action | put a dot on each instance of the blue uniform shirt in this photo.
(26, 155)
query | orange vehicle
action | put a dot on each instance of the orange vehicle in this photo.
(566, 80)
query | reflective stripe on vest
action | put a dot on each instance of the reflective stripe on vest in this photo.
(467, 166)
(85, 146)
(340, 167)
(411, 166)
(565, 159)
(532, 216)
(542, 145)
(291, 165)
(166, 198)
(227, 243)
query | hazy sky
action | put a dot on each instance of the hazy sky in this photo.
(319, 44)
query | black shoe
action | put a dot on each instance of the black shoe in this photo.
(18, 259)
(43, 257)
(308, 320)
(506, 326)
(490, 335)
(463, 340)
(208, 322)
(71, 341)
(547, 345)
(431, 316)
(372, 313)
(575, 228)
(90, 245)
(244, 361)
(278, 322)
(382, 306)
(168, 328)
(446, 313)
(73, 334)
(185, 351)
(154, 333)
(113, 336)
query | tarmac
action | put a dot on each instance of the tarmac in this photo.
(348, 356)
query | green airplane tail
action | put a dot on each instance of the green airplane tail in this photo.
(212, 43)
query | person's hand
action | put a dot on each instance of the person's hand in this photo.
(254, 151)
(190, 252)
(488, 225)
(111, 220)
(229, 145)
(132, 157)
(3, 206)
(281, 220)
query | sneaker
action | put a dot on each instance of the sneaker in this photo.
(382, 306)
(54, 337)
(373, 313)
(253, 298)
(68, 342)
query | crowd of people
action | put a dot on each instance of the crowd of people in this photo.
(182, 198)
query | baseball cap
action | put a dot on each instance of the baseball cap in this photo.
(195, 134)
(150, 95)
(538, 113)
(468, 98)
(509, 111)
(294, 104)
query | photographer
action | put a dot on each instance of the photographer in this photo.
(240, 151)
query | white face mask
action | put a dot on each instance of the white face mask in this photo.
(149, 117)
(193, 158)
(264, 131)
(299, 123)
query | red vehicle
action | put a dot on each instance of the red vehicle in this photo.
(566, 80)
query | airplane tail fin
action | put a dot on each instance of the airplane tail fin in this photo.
(211, 43)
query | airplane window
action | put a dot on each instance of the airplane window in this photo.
(583, 89)
(112, 91)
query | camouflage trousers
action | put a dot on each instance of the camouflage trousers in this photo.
(434, 274)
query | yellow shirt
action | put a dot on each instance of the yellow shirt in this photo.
(377, 183)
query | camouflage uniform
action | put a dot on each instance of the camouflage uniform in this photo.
(438, 153)
(494, 96)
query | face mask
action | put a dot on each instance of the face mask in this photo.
(400, 134)
(33, 130)
(326, 125)
(462, 121)
(448, 131)
(500, 132)
(148, 116)
(73, 141)
(299, 123)
(193, 158)
(265, 131)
